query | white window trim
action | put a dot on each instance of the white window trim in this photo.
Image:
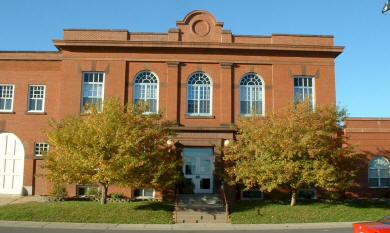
(145, 197)
(262, 95)
(378, 176)
(141, 84)
(43, 99)
(82, 89)
(200, 85)
(313, 81)
(35, 145)
(13, 97)
(86, 187)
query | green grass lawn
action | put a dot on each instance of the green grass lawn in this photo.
(304, 212)
(90, 212)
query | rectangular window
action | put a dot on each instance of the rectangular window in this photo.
(307, 194)
(379, 178)
(251, 194)
(40, 148)
(6, 97)
(144, 193)
(92, 90)
(87, 191)
(303, 88)
(36, 98)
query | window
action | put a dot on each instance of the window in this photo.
(36, 98)
(251, 194)
(303, 88)
(199, 94)
(309, 193)
(379, 173)
(93, 86)
(86, 190)
(146, 90)
(40, 147)
(251, 95)
(144, 193)
(6, 97)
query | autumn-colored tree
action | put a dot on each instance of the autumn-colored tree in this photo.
(118, 146)
(294, 147)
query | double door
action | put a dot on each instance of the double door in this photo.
(11, 164)
(198, 169)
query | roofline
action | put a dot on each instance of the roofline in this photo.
(26, 51)
(126, 30)
(91, 29)
(31, 55)
(301, 35)
(367, 119)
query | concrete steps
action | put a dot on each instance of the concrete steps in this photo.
(200, 208)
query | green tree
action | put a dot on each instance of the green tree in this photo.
(293, 148)
(118, 146)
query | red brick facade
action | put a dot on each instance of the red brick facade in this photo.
(371, 136)
(199, 43)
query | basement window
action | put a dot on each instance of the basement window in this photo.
(144, 193)
(307, 194)
(251, 194)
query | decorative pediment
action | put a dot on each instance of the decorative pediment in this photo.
(201, 26)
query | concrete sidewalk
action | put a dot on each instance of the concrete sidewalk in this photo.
(6, 199)
(175, 227)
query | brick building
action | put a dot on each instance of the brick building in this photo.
(201, 75)
(372, 138)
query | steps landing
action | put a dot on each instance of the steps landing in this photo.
(200, 208)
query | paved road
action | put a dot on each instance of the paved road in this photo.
(45, 230)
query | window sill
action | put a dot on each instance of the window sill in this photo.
(143, 198)
(383, 187)
(198, 117)
(7, 112)
(35, 113)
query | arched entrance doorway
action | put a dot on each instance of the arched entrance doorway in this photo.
(11, 164)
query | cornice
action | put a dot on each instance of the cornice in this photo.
(367, 130)
(63, 44)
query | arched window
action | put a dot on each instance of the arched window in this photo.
(199, 94)
(251, 95)
(379, 173)
(146, 90)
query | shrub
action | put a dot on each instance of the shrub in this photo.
(58, 190)
(384, 193)
(117, 195)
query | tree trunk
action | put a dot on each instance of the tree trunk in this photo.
(103, 198)
(293, 197)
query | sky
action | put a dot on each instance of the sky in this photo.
(362, 70)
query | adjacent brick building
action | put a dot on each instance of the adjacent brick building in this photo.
(201, 75)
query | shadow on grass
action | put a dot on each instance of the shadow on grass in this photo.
(241, 206)
(166, 206)
(369, 204)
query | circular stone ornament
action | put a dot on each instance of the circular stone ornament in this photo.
(201, 28)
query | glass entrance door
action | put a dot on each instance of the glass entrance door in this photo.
(198, 168)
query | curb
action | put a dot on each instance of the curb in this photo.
(174, 227)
